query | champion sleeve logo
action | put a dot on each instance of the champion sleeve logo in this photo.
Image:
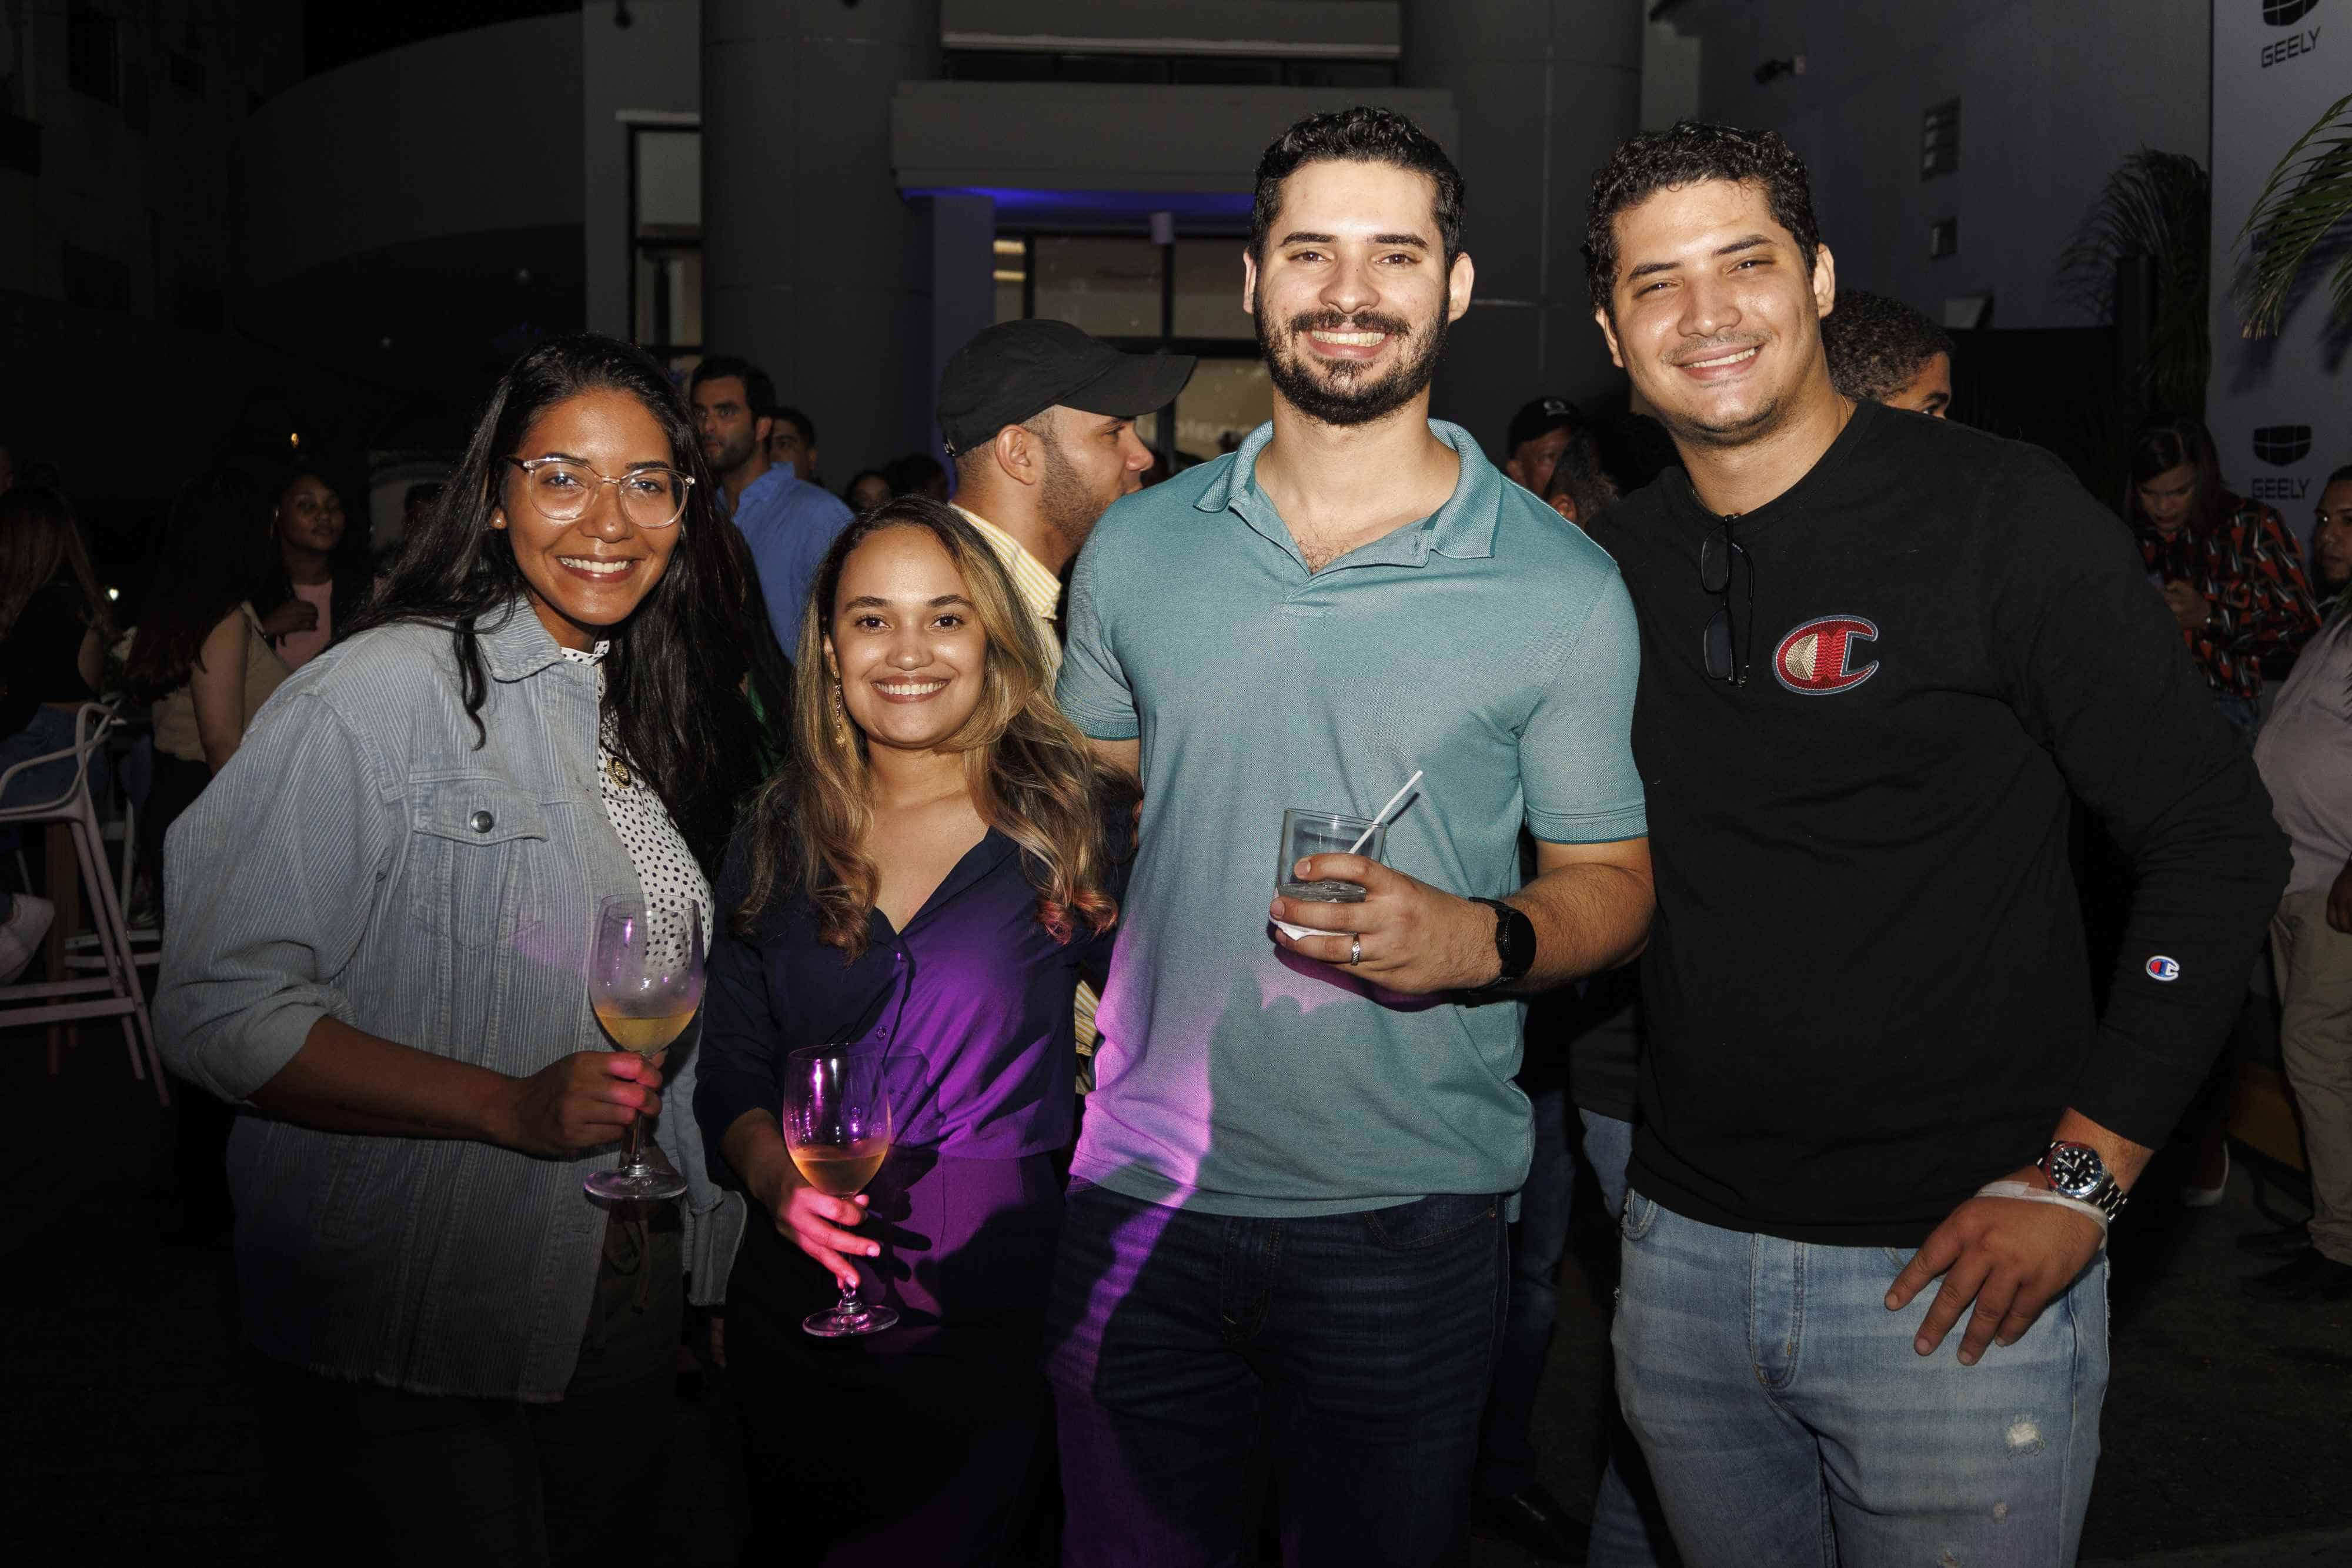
(1817, 658)
(2163, 968)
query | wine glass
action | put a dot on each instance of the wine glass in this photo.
(837, 1127)
(645, 980)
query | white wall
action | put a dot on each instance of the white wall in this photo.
(2052, 98)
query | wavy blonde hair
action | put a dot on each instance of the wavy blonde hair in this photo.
(1032, 776)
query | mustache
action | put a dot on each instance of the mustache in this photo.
(1340, 321)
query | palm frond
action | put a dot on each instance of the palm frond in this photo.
(2158, 205)
(2307, 197)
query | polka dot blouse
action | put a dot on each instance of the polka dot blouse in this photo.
(665, 868)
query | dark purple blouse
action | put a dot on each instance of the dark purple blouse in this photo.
(975, 991)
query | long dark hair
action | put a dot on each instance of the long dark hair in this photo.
(213, 557)
(1030, 773)
(673, 676)
(349, 565)
(2167, 441)
(39, 545)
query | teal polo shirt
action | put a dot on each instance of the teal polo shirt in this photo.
(1490, 645)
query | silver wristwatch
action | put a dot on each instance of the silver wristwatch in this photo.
(2076, 1171)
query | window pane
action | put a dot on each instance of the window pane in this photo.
(669, 183)
(1223, 402)
(669, 296)
(1209, 289)
(1109, 286)
(1012, 272)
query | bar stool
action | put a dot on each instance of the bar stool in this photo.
(115, 993)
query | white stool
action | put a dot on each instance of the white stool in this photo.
(115, 993)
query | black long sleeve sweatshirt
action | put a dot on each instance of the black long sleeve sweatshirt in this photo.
(1867, 987)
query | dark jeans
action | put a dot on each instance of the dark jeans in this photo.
(1507, 1450)
(364, 1474)
(1195, 1357)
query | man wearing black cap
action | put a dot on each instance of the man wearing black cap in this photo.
(1538, 434)
(1041, 420)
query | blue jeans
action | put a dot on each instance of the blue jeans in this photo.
(1628, 1530)
(1507, 1451)
(1787, 1419)
(1195, 1356)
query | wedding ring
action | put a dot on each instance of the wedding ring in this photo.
(1356, 950)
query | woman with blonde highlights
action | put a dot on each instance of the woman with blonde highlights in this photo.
(932, 877)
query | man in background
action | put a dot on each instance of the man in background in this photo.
(1538, 433)
(2305, 752)
(788, 523)
(1882, 350)
(2331, 540)
(1040, 419)
(792, 439)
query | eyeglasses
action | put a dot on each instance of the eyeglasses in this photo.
(561, 490)
(1716, 557)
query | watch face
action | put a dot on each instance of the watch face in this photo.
(2075, 1170)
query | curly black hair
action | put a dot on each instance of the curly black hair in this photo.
(1686, 154)
(1357, 135)
(1876, 345)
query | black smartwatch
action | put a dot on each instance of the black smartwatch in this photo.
(1514, 942)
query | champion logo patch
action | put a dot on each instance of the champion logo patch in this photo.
(1819, 657)
(2163, 968)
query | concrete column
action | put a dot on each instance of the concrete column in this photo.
(813, 267)
(1545, 88)
(962, 289)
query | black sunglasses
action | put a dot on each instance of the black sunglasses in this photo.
(1714, 562)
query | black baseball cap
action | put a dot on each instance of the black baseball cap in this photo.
(1541, 417)
(1015, 371)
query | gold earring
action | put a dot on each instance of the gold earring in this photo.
(840, 724)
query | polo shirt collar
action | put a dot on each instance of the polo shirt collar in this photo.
(1463, 529)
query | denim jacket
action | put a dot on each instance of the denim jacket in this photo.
(359, 858)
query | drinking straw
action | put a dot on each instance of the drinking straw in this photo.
(1365, 837)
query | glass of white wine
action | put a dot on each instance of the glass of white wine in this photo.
(837, 1127)
(645, 980)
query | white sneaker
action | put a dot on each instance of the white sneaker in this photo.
(21, 933)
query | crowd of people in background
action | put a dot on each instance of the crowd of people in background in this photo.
(1737, 710)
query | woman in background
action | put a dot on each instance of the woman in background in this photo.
(53, 634)
(202, 657)
(317, 577)
(2229, 571)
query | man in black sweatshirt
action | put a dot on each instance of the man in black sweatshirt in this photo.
(1878, 651)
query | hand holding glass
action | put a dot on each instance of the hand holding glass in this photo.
(837, 1127)
(645, 980)
(1305, 833)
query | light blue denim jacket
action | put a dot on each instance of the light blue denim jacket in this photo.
(360, 859)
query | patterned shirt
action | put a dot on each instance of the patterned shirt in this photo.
(2250, 570)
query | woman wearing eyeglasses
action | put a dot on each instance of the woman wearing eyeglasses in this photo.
(378, 921)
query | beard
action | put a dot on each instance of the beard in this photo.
(1064, 503)
(1756, 421)
(732, 453)
(1338, 392)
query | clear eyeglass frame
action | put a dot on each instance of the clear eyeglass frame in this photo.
(544, 505)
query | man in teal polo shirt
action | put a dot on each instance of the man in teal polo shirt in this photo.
(1285, 1244)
